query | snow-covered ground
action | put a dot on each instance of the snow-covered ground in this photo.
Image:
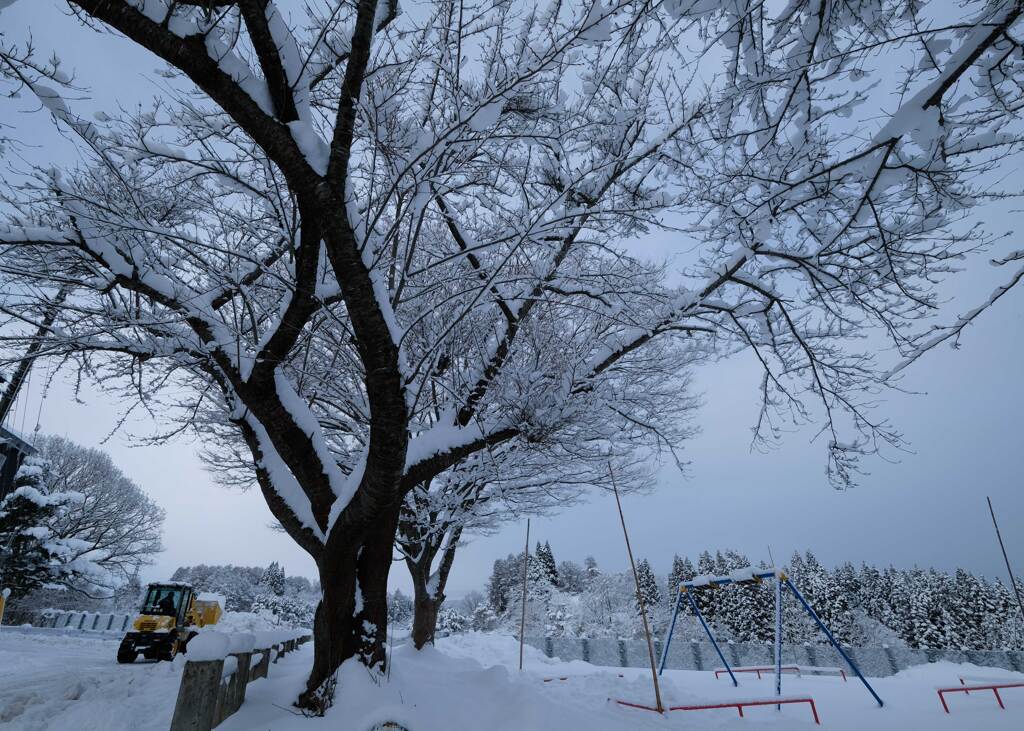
(469, 681)
(51, 681)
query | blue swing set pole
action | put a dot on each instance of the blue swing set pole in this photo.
(671, 629)
(832, 639)
(778, 638)
(711, 637)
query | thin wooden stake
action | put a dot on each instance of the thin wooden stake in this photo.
(522, 620)
(639, 596)
(1013, 581)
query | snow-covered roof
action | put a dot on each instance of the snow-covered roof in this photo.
(19, 441)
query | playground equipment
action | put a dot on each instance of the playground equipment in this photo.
(966, 690)
(750, 577)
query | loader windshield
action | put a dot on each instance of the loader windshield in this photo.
(165, 600)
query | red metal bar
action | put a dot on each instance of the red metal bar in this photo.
(740, 705)
(966, 689)
(759, 670)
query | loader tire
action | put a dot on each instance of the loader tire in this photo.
(171, 651)
(126, 656)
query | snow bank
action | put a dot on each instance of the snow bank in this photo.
(209, 645)
(209, 596)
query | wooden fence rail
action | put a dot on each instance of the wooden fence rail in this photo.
(211, 690)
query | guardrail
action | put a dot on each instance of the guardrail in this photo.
(218, 669)
(72, 621)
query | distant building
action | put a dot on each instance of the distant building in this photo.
(13, 449)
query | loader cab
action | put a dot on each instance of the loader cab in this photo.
(167, 601)
(164, 625)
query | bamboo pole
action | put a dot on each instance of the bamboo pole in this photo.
(522, 620)
(1013, 581)
(639, 595)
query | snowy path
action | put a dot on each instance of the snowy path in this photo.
(66, 683)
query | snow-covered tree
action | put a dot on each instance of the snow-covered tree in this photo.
(115, 526)
(682, 570)
(128, 596)
(31, 555)
(484, 618)
(283, 610)
(500, 583)
(355, 245)
(501, 485)
(572, 577)
(272, 581)
(451, 621)
(648, 587)
(547, 562)
(399, 608)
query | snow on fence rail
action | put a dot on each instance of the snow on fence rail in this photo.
(695, 655)
(218, 668)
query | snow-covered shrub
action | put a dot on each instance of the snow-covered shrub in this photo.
(451, 621)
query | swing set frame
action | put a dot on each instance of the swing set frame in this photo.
(749, 578)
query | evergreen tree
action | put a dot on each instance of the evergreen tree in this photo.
(797, 626)
(848, 583)
(967, 604)
(30, 555)
(682, 570)
(272, 581)
(873, 596)
(590, 566)
(706, 598)
(752, 610)
(546, 560)
(399, 608)
(648, 584)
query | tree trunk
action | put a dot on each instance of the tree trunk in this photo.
(425, 607)
(429, 595)
(351, 619)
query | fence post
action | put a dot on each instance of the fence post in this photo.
(196, 708)
(262, 666)
(238, 681)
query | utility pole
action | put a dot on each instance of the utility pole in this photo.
(522, 620)
(639, 595)
(18, 379)
(1013, 581)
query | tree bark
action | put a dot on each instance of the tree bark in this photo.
(427, 603)
(425, 606)
(351, 619)
(424, 620)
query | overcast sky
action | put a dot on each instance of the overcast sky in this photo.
(963, 424)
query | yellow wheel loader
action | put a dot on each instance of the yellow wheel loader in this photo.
(168, 619)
